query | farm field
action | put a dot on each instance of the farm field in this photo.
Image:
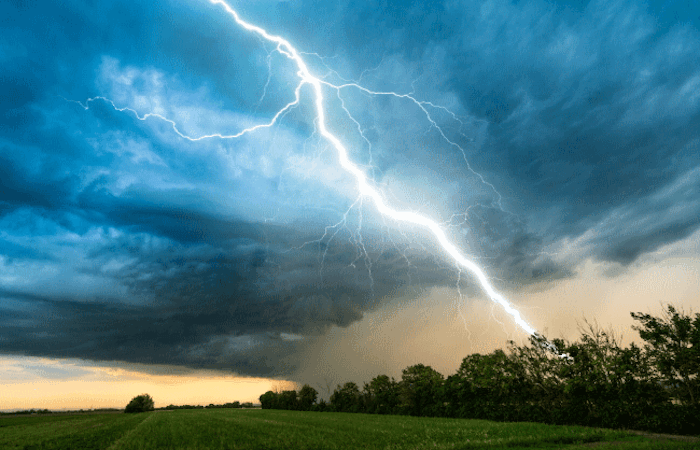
(274, 429)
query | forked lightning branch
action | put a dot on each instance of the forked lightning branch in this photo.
(364, 186)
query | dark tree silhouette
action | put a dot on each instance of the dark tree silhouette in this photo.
(307, 397)
(593, 381)
(140, 403)
(420, 389)
(269, 400)
(381, 395)
(673, 342)
(346, 398)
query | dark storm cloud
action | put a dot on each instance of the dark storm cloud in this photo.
(591, 106)
(591, 112)
(198, 306)
(121, 241)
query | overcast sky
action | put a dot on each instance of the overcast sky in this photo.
(557, 142)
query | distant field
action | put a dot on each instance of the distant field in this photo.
(271, 429)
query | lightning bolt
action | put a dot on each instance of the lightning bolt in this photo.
(365, 188)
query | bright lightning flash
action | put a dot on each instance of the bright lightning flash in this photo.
(364, 186)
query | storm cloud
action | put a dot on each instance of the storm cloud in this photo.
(568, 125)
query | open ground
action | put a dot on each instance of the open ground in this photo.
(273, 429)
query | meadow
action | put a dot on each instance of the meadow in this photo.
(274, 429)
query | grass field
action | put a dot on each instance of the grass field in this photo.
(270, 429)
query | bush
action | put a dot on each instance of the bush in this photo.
(140, 403)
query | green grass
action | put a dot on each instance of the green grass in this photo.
(265, 429)
(79, 431)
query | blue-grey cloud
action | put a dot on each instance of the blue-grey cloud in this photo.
(119, 240)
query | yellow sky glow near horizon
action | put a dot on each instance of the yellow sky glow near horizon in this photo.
(43, 383)
(439, 329)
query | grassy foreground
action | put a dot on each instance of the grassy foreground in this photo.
(273, 429)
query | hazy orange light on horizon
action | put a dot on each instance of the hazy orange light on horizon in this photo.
(42, 383)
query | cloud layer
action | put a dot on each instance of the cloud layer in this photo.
(571, 135)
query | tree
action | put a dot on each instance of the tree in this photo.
(140, 403)
(269, 400)
(604, 383)
(346, 398)
(321, 406)
(673, 342)
(381, 395)
(495, 386)
(420, 389)
(307, 397)
(288, 400)
(541, 362)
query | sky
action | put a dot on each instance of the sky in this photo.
(556, 144)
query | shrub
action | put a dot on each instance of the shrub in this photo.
(140, 403)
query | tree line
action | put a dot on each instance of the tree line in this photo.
(233, 405)
(144, 403)
(593, 381)
(34, 411)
